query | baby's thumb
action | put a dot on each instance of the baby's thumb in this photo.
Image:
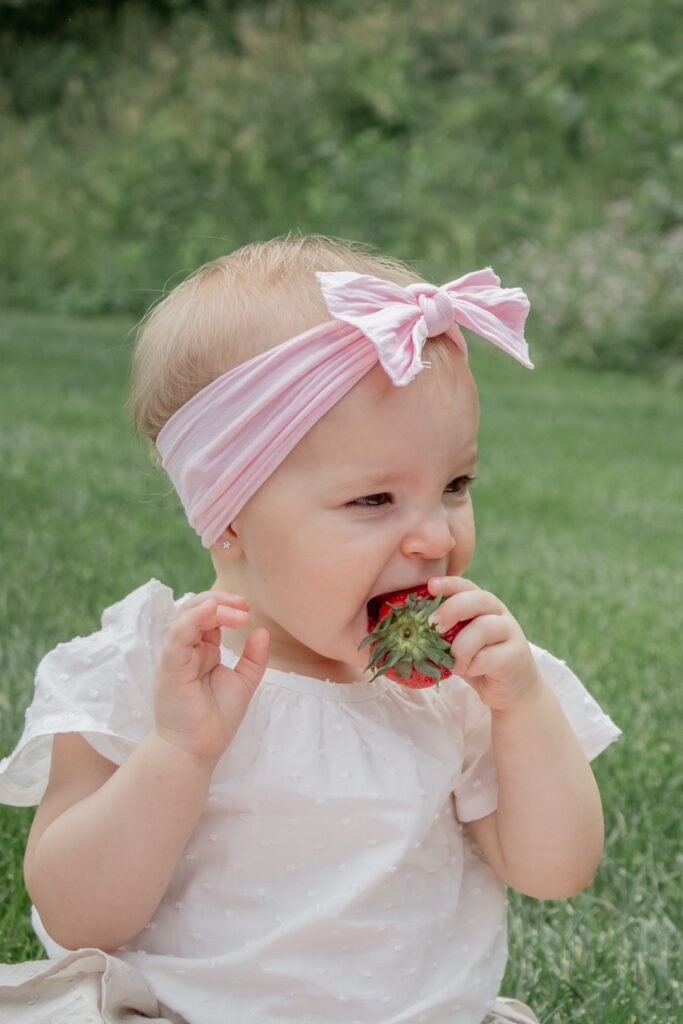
(254, 660)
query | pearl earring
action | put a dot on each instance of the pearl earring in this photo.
(227, 544)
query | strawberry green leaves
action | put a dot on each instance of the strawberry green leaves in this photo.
(404, 645)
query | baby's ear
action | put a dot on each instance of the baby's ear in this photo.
(228, 545)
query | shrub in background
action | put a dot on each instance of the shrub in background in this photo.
(139, 139)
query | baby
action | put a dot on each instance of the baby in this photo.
(236, 822)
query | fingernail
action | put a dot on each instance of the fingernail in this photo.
(434, 620)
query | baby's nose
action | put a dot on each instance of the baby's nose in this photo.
(430, 537)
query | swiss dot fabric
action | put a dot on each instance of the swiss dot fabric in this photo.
(330, 877)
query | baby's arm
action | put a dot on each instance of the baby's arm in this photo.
(545, 837)
(105, 840)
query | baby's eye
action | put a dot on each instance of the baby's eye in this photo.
(459, 485)
(373, 500)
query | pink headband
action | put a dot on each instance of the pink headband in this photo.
(225, 442)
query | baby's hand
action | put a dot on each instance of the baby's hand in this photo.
(491, 652)
(198, 702)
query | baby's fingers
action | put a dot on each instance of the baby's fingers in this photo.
(230, 609)
(224, 604)
(464, 605)
(254, 660)
(197, 627)
(194, 622)
(448, 585)
(481, 633)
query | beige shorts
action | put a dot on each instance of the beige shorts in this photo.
(91, 987)
(510, 1011)
(84, 987)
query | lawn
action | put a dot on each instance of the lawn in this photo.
(579, 505)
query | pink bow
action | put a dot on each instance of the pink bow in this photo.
(398, 320)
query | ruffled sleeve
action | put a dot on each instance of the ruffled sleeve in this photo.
(476, 793)
(593, 728)
(100, 686)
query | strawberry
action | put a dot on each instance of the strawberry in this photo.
(404, 645)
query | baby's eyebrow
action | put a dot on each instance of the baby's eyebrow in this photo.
(465, 465)
(358, 475)
(369, 482)
(362, 479)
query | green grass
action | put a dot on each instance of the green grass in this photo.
(578, 505)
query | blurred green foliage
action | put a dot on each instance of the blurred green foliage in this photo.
(139, 139)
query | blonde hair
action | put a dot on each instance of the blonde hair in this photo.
(234, 308)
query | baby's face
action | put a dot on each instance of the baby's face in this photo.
(373, 499)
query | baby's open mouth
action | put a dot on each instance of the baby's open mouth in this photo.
(375, 603)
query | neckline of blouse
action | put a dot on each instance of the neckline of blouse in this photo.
(346, 693)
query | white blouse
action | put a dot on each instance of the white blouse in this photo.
(329, 877)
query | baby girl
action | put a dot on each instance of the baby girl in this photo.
(237, 821)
